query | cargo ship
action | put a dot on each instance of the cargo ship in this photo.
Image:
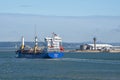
(52, 49)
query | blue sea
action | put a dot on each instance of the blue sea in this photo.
(73, 66)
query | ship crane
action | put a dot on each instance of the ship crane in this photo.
(36, 45)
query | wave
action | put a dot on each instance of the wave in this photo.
(89, 60)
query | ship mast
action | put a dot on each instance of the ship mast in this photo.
(22, 45)
(36, 41)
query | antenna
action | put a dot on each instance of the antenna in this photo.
(36, 41)
(35, 30)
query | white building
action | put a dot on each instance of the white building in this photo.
(116, 48)
(98, 47)
(101, 46)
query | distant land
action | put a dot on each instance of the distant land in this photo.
(66, 45)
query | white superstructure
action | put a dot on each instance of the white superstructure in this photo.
(53, 43)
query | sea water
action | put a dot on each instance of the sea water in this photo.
(73, 66)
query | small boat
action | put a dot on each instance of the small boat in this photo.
(53, 48)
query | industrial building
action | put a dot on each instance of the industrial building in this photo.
(96, 47)
(99, 47)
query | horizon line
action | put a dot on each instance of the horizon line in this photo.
(65, 42)
(42, 15)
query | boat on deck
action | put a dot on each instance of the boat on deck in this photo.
(53, 48)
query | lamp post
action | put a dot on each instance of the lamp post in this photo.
(94, 40)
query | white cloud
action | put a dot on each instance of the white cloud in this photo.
(72, 29)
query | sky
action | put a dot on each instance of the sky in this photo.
(73, 20)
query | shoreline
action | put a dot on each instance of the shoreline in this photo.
(92, 51)
(77, 51)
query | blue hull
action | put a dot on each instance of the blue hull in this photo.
(55, 54)
(40, 55)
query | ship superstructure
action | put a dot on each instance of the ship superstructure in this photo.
(54, 44)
